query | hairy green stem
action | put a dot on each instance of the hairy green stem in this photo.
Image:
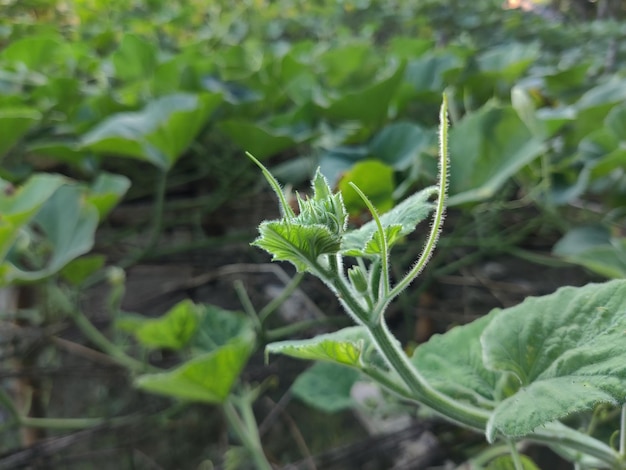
(423, 392)
(558, 434)
(440, 209)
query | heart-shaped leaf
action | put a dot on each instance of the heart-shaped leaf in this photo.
(566, 349)
(160, 133)
(207, 378)
(461, 374)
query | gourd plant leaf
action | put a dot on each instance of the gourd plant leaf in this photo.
(326, 386)
(68, 223)
(19, 205)
(595, 249)
(172, 331)
(15, 123)
(487, 148)
(369, 105)
(398, 222)
(508, 61)
(400, 144)
(300, 244)
(79, 269)
(106, 191)
(452, 363)
(567, 350)
(315, 231)
(35, 52)
(206, 378)
(341, 347)
(134, 59)
(260, 140)
(217, 327)
(159, 133)
(375, 179)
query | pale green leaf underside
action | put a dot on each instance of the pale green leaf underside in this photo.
(342, 347)
(326, 387)
(398, 222)
(568, 350)
(460, 375)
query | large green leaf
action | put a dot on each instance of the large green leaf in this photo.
(508, 61)
(218, 327)
(566, 349)
(326, 386)
(35, 52)
(173, 330)
(19, 205)
(207, 378)
(375, 179)
(400, 144)
(339, 63)
(461, 374)
(258, 139)
(160, 133)
(341, 347)
(594, 248)
(368, 105)
(67, 222)
(14, 124)
(106, 191)
(134, 59)
(398, 222)
(486, 149)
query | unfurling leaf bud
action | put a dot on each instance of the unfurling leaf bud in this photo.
(358, 279)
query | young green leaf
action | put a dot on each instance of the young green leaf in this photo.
(568, 351)
(398, 222)
(342, 347)
(207, 378)
(297, 243)
(172, 330)
(315, 231)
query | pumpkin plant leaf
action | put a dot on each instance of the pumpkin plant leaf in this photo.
(18, 205)
(159, 133)
(15, 123)
(67, 222)
(206, 378)
(452, 363)
(326, 386)
(341, 347)
(173, 330)
(487, 148)
(315, 231)
(567, 351)
(398, 222)
(375, 179)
